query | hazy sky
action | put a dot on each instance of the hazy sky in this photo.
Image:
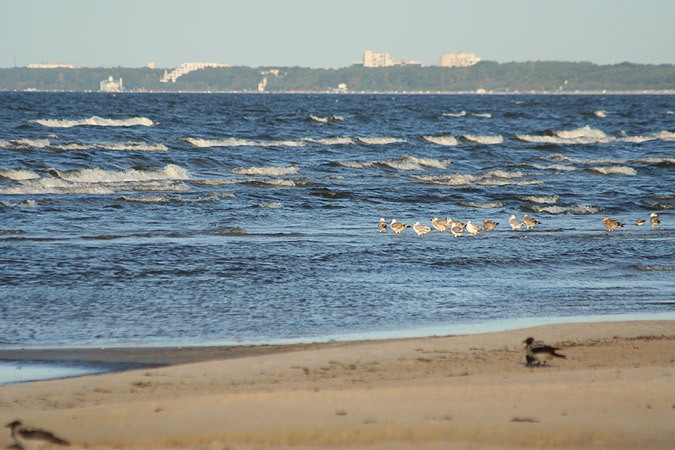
(331, 34)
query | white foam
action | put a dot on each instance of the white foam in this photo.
(326, 119)
(494, 178)
(273, 205)
(24, 204)
(31, 143)
(116, 146)
(96, 121)
(555, 209)
(18, 174)
(276, 182)
(654, 160)
(380, 140)
(600, 113)
(483, 205)
(338, 140)
(233, 142)
(459, 114)
(413, 163)
(542, 199)
(485, 140)
(583, 135)
(445, 139)
(169, 172)
(614, 170)
(553, 167)
(266, 171)
(483, 115)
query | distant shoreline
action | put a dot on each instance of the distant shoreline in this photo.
(514, 93)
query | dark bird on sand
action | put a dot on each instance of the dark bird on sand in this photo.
(24, 435)
(538, 353)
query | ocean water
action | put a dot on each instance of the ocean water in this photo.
(141, 219)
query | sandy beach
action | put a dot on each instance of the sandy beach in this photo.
(615, 389)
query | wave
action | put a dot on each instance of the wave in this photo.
(553, 167)
(24, 204)
(99, 181)
(542, 199)
(175, 199)
(483, 205)
(485, 140)
(18, 174)
(445, 139)
(405, 163)
(266, 171)
(326, 119)
(588, 135)
(464, 114)
(576, 210)
(599, 113)
(96, 121)
(614, 170)
(379, 140)
(234, 142)
(655, 268)
(493, 178)
(563, 158)
(116, 146)
(338, 140)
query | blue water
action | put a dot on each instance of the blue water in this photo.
(196, 218)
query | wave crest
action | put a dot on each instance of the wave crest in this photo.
(96, 121)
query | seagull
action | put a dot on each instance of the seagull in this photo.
(639, 222)
(421, 229)
(539, 353)
(611, 224)
(489, 225)
(654, 220)
(515, 223)
(28, 436)
(456, 229)
(397, 227)
(440, 225)
(452, 223)
(472, 228)
(382, 225)
(530, 222)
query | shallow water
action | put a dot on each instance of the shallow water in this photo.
(141, 218)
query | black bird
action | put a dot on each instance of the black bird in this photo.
(538, 353)
(22, 435)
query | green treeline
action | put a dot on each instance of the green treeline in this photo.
(486, 75)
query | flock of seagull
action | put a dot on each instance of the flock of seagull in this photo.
(457, 228)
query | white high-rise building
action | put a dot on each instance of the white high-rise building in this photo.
(372, 59)
(461, 59)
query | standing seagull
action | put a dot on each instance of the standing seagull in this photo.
(515, 223)
(654, 220)
(538, 353)
(456, 229)
(472, 228)
(382, 225)
(420, 229)
(24, 436)
(639, 222)
(530, 222)
(440, 225)
(397, 227)
(611, 224)
(489, 225)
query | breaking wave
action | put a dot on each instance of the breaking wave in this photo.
(445, 139)
(493, 178)
(233, 142)
(96, 121)
(485, 140)
(379, 140)
(326, 119)
(614, 170)
(269, 171)
(404, 163)
(576, 210)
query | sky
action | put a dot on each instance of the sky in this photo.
(332, 34)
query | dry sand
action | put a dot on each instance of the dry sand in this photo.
(616, 389)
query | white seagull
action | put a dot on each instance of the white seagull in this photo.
(515, 223)
(473, 229)
(654, 220)
(420, 229)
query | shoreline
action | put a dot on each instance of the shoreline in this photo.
(445, 392)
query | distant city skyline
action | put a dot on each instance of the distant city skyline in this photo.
(94, 33)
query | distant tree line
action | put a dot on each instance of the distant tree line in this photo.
(486, 75)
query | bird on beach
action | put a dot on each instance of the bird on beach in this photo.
(489, 225)
(639, 222)
(611, 224)
(538, 353)
(25, 436)
(420, 229)
(382, 225)
(530, 222)
(438, 224)
(472, 228)
(515, 223)
(397, 227)
(654, 220)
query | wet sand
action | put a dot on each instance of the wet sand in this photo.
(615, 389)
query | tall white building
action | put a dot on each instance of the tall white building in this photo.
(110, 85)
(461, 59)
(372, 59)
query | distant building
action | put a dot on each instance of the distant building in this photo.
(110, 85)
(150, 65)
(461, 59)
(50, 66)
(187, 68)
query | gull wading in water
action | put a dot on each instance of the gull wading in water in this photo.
(438, 224)
(382, 225)
(421, 229)
(28, 437)
(456, 229)
(530, 222)
(611, 224)
(654, 220)
(489, 225)
(515, 223)
(473, 229)
(397, 227)
(537, 353)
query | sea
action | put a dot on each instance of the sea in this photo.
(143, 219)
